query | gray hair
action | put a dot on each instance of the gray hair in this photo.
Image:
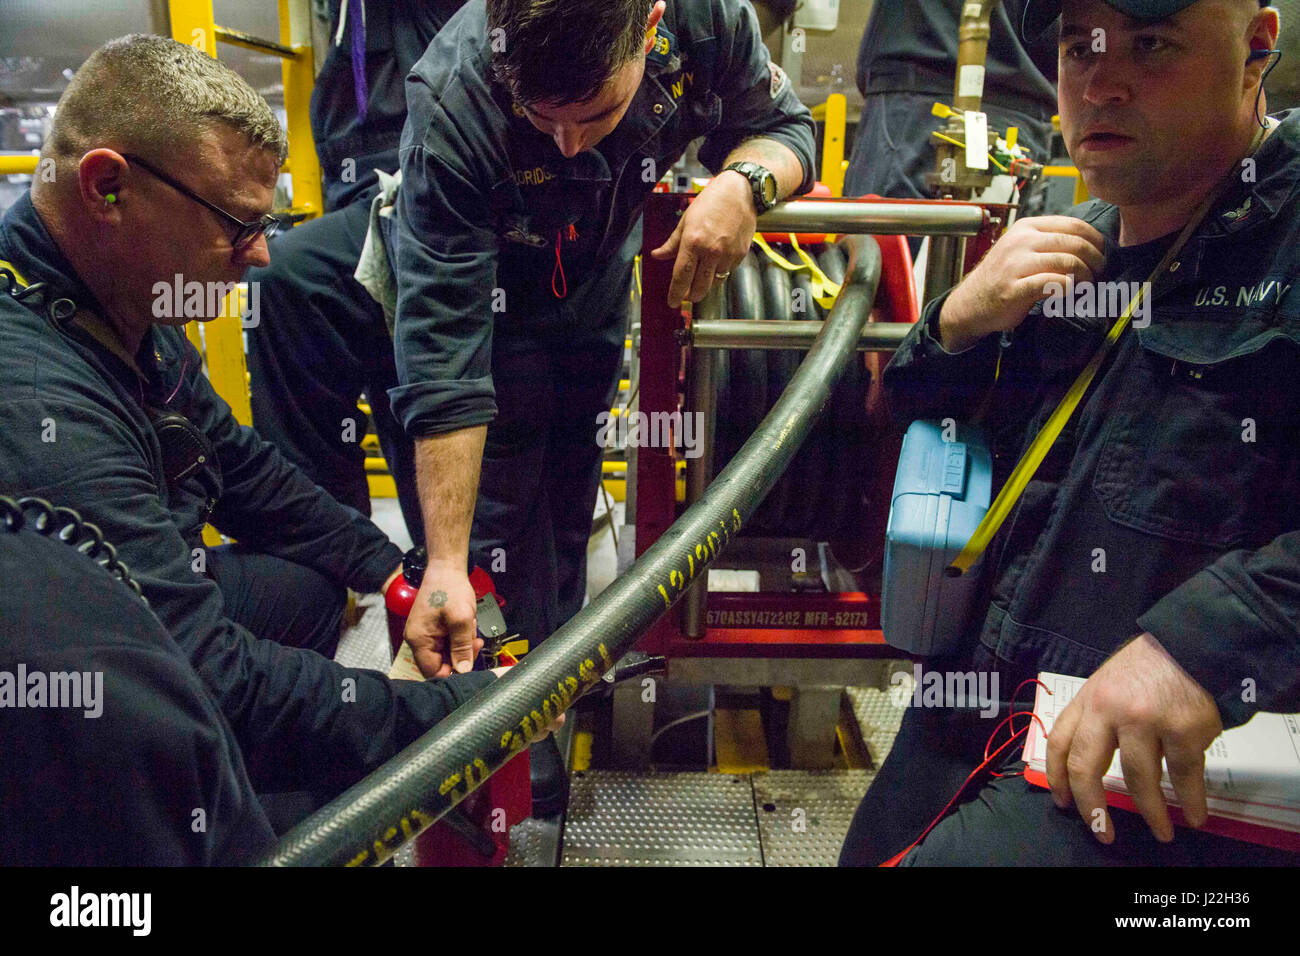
(153, 94)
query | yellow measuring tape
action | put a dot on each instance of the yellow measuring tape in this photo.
(1042, 443)
(825, 291)
(14, 272)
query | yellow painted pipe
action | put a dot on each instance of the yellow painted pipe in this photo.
(298, 75)
(837, 113)
(19, 165)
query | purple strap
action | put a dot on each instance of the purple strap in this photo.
(357, 24)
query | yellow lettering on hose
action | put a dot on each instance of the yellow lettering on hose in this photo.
(421, 818)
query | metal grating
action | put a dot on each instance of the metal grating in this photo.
(880, 711)
(803, 815)
(777, 818)
(533, 843)
(366, 644)
(660, 819)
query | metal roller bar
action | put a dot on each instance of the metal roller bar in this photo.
(945, 257)
(874, 218)
(392, 806)
(783, 334)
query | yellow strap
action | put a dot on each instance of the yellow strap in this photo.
(16, 274)
(825, 290)
(1043, 441)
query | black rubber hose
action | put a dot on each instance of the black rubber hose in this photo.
(859, 451)
(846, 408)
(372, 819)
(809, 470)
(723, 442)
(781, 366)
(748, 396)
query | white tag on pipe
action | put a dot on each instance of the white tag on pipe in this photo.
(971, 81)
(977, 140)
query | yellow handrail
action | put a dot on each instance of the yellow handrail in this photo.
(836, 115)
(20, 164)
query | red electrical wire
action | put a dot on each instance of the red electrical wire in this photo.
(988, 760)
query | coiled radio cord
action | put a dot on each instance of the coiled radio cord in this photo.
(69, 527)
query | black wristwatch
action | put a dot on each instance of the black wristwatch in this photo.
(761, 181)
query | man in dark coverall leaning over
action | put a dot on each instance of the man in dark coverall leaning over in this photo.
(535, 131)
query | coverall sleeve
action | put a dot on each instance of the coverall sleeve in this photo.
(1235, 628)
(152, 781)
(142, 769)
(923, 380)
(746, 83)
(303, 722)
(269, 503)
(445, 257)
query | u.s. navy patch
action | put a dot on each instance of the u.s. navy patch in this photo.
(664, 53)
(779, 79)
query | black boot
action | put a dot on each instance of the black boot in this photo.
(549, 778)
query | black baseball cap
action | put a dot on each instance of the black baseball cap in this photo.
(1040, 14)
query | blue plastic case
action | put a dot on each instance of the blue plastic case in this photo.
(941, 491)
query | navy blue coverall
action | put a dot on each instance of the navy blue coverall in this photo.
(1182, 465)
(488, 203)
(907, 62)
(116, 783)
(323, 340)
(74, 430)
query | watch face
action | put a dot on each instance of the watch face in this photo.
(769, 188)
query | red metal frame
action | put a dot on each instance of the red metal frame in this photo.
(829, 625)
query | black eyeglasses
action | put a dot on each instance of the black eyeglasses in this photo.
(245, 232)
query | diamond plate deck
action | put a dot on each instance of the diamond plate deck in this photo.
(667, 819)
(366, 645)
(880, 710)
(533, 843)
(803, 815)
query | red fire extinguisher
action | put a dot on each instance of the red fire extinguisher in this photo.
(480, 834)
